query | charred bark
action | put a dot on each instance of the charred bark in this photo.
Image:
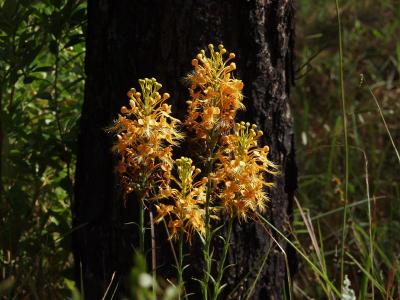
(128, 40)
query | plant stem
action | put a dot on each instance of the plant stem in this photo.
(170, 243)
(206, 250)
(141, 226)
(383, 119)
(181, 284)
(174, 255)
(371, 238)
(221, 268)
(153, 254)
(207, 243)
(346, 186)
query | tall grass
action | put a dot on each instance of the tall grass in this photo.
(347, 227)
(346, 142)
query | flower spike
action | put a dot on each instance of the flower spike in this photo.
(240, 172)
(215, 94)
(146, 133)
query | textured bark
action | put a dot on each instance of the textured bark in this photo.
(128, 40)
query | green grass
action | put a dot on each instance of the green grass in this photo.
(347, 148)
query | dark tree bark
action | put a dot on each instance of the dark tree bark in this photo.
(128, 40)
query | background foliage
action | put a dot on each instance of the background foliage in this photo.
(41, 92)
(41, 71)
(371, 32)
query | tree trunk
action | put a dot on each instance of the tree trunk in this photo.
(128, 40)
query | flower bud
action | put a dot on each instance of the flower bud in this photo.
(124, 110)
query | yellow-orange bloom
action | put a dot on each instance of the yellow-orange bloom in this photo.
(187, 211)
(215, 94)
(239, 176)
(146, 133)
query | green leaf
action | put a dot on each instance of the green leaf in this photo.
(74, 39)
(70, 284)
(43, 69)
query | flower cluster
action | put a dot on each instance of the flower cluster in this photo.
(236, 166)
(187, 211)
(146, 133)
(186, 199)
(215, 94)
(239, 175)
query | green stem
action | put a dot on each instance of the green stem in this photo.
(141, 226)
(176, 259)
(180, 261)
(221, 268)
(207, 244)
(206, 250)
(153, 255)
(346, 186)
